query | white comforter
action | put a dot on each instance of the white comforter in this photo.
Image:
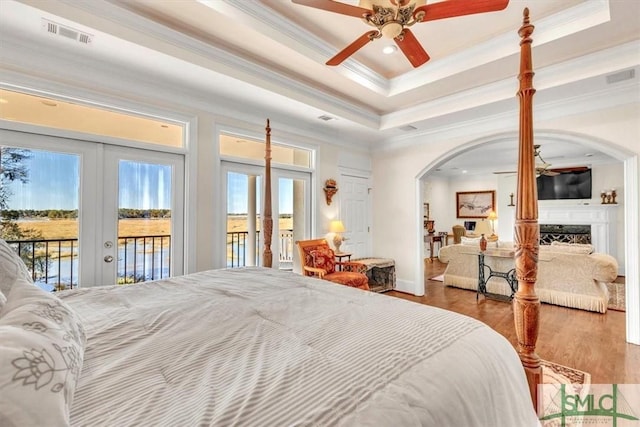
(259, 347)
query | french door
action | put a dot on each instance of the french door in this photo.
(95, 214)
(291, 213)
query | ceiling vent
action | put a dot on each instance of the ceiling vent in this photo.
(326, 118)
(621, 76)
(66, 32)
(407, 128)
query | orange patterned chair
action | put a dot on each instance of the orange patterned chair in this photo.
(318, 259)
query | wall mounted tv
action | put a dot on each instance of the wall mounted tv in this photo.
(565, 185)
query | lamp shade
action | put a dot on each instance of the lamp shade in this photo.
(336, 226)
(492, 216)
(482, 227)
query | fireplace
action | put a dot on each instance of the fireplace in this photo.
(599, 220)
(565, 233)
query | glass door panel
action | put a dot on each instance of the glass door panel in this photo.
(142, 224)
(39, 194)
(243, 222)
(293, 213)
(290, 212)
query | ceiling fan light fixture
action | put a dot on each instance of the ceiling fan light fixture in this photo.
(391, 29)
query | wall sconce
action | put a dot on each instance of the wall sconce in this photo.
(330, 189)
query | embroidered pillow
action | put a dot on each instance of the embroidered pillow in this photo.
(11, 268)
(324, 258)
(41, 354)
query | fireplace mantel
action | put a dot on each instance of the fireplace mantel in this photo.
(602, 219)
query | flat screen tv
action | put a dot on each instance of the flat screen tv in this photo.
(565, 185)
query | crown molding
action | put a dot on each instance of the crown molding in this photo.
(620, 94)
(219, 60)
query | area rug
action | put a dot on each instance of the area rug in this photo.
(616, 296)
(575, 382)
(439, 278)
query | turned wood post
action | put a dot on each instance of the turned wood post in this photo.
(526, 304)
(267, 256)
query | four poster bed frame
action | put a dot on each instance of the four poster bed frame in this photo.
(261, 346)
(526, 303)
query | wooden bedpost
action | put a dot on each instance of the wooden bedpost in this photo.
(526, 305)
(267, 223)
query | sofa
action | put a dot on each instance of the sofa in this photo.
(569, 275)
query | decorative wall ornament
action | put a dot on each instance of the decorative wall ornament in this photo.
(330, 189)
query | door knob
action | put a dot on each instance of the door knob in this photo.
(108, 258)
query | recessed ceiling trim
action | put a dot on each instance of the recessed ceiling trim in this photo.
(288, 33)
(595, 64)
(569, 21)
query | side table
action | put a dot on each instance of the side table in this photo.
(509, 276)
(340, 255)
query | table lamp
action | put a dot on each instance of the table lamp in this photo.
(336, 227)
(492, 217)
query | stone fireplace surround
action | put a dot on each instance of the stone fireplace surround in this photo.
(601, 218)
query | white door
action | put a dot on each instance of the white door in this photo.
(355, 214)
(69, 206)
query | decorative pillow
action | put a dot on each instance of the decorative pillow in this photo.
(325, 259)
(470, 240)
(574, 248)
(41, 354)
(11, 268)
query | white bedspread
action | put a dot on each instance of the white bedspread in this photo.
(260, 347)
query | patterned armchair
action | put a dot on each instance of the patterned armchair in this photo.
(318, 259)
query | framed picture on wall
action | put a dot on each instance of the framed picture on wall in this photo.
(475, 204)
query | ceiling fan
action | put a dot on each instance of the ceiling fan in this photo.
(544, 168)
(392, 19)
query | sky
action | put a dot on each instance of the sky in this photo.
(54, 183)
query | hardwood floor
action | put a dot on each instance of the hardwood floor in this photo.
(591, 342)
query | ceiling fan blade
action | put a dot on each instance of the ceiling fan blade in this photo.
(336, 7)
(451, 8)
(353, 47)
(503, 172)
(411, 48)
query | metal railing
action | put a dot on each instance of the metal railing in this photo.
(55, 261)
(47, 258)
(139, 258)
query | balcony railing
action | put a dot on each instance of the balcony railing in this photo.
(139, 258)
(55, 261)
(237, 251)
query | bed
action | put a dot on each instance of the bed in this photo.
(253, 347)
(250, 346)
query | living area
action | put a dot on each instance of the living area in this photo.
(582, 254)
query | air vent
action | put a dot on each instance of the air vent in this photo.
(66, 32)
(407, 128)
(621, 76)
(326, 118)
